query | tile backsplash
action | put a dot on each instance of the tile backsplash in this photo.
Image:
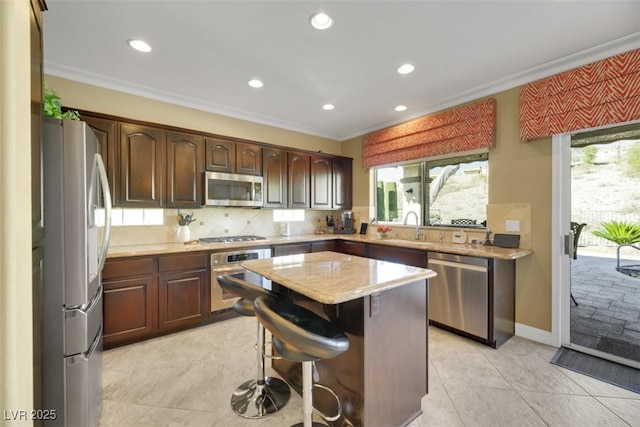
(214, 222)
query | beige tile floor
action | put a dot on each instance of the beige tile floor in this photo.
(186, 379)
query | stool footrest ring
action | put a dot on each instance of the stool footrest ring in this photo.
(333, 393)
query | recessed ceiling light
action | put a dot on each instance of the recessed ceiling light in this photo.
(139, 45)
(321, 21)
(328, 107)
(401, 108)
(405, 68)
(255, 83)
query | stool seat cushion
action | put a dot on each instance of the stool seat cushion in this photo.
(304, 334)
(242, 289)
(244, 307)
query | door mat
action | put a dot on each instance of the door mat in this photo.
(604, 370)
(619, 348)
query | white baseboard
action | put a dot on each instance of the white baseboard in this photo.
(533, 334)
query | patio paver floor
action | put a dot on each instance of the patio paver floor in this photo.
(608, 315)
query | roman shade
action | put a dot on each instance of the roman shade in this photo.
(461, 129)
(598, 94)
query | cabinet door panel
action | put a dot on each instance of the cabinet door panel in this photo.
(142, 154)
(298, 181)
(321, 183)
(182, 299)
(326, 245)
(351, 248)
(292, 249)
(414, 257)
(184, 170)
(105, 131)
(129, 307)
(220, 155)
(248, 159)
(275, 174)
(342, 184)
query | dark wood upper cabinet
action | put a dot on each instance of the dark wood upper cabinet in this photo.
(248, 159)
(184, 170)
(142, 166)
(275, 178)
(106, 132)
(321, 182)
(220, 155)
(342, 183)
(331, 182)
(298, 175)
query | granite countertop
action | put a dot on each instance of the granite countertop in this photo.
(332, 278)
(454, 248)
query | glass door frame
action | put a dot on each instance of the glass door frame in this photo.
(561, 251)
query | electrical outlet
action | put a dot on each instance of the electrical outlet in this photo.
(513, 225)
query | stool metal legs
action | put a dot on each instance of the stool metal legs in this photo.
(307, 399)
(264, 395)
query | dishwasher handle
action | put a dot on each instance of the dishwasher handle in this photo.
(458, 265)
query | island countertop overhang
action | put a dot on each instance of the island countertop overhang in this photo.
(333, 278)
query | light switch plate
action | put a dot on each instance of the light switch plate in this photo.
(513, 225)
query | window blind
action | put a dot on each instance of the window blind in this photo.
(461, 129)
(598, 94)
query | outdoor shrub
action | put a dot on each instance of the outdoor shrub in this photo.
(633, 160)
(590, 153)
(619, 232)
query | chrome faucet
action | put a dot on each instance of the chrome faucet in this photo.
(417, 232)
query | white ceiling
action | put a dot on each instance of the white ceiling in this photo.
(204, 52)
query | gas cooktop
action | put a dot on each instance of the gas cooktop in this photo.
(224, 239)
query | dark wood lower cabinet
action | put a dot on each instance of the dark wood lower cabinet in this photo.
(407, 256)
(129, 307)
(351, 248)
(182, 299)
(149, 296)
(325, 245)
(130, 300)
(292, 249)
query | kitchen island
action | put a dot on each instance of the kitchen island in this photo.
(383, 309)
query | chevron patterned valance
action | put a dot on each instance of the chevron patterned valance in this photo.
(599, 94)
(461, 129)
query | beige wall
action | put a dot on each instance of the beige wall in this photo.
(92, 98)
(16, 371)
(520, 172)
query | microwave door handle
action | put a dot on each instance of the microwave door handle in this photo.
(106, 192)
(253, 191)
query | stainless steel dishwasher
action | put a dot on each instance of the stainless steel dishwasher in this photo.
(459, 294)
(473, 297)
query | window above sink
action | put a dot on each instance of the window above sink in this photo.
(450, 192)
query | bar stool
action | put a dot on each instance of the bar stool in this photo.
(302, 336)
(264, 395)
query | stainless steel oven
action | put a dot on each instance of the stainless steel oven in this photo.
(228, 263)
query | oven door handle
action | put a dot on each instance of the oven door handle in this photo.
(226, 269)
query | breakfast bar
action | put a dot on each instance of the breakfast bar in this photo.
(383, 309)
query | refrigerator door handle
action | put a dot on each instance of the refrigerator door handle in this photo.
(106, 192)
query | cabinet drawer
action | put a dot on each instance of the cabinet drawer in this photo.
(182, 262)
(127, 267)
(292, 249)
(351, 248)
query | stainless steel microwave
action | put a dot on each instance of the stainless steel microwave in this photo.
(227, 189)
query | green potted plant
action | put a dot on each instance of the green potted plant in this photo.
(53, 106)
(619, 232)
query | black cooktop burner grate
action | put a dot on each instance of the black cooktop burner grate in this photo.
(223, 239)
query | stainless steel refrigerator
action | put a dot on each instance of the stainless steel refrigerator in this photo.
(77, 207)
